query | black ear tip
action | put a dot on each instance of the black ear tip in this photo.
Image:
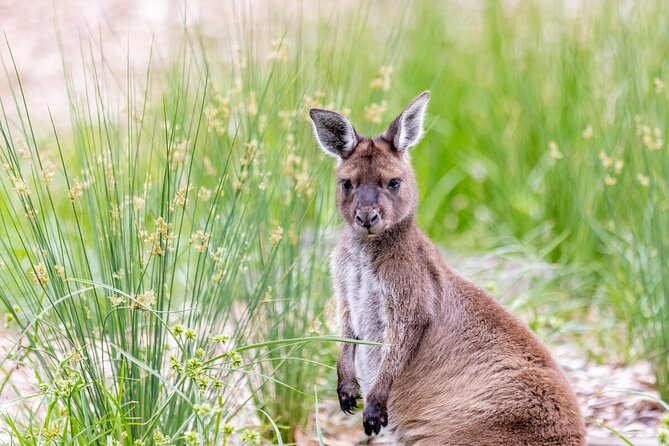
(319, 112)
(425, 94)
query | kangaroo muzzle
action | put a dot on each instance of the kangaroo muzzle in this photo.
(367, 218)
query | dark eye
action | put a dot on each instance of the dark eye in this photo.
(394, 184)
(347, 185)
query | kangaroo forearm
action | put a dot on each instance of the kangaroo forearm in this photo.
(402, 344)
(346, 362)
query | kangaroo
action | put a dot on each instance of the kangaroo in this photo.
(454, 367)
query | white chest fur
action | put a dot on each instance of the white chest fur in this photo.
(364, 293)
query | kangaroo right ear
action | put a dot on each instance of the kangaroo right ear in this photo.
(334, 132)
(407, 129)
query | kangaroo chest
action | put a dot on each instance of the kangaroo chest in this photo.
(366, 297)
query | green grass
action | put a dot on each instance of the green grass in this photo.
(549, 128)
(533, 150)
(148, 248)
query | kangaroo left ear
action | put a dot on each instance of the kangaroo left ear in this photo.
(334, 132)
(407, 129)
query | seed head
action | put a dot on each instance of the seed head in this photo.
(176, 365)
(302, 183)
(276, 236)
(194, 367)
(20, 186)
(235, 357)
(218, 275)
(181, 197)
(374, 112)
(315, 327)
(251, 437)
(220, 339)
(116, 300)
(190, 335)
(200, 240)
(605, 159)
(159, 439)
(77, 190)
(138, 203)
(554, 150)
(587, 132)
(178, 154)
(618, 166)
(40, 274)
(162, 227)
(144, 301)
(49, 434)
(279, 51)
(204, 194)
(251, 149)
(22, 149)
(383, 81)
(658, 84)
(652, 138)
(202, 410)
(47, 175)
(643, 180)
(192, 438)
(209, 168)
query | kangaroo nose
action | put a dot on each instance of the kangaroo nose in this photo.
(367, 219)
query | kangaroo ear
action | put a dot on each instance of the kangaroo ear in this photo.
(334, 132)
(407, 129)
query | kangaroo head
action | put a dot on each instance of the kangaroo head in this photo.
(376, 184)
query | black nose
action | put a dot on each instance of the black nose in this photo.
(367, 219)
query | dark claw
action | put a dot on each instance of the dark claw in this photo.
(348, 396)
(374, 418)
(348, 404)
(368, 429)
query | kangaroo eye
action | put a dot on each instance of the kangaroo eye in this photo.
(347, 185)
(394, 184)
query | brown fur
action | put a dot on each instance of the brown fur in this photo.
(456, 368)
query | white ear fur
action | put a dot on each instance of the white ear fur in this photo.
(407, 129)
(335, 134)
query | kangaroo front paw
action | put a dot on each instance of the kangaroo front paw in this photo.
(374, 417)
(348, 392)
